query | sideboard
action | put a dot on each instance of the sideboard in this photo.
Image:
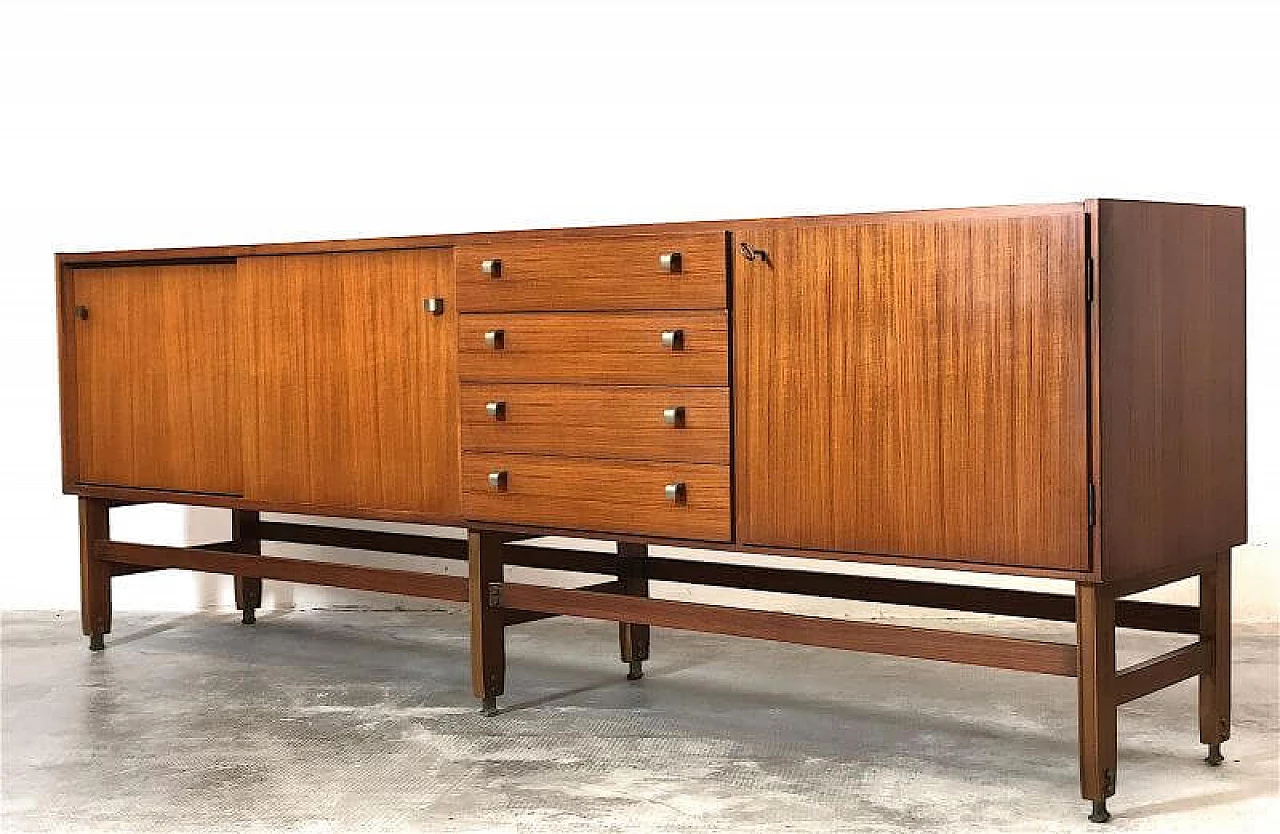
(1051, 391)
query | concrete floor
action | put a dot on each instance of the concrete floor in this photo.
(324, 721)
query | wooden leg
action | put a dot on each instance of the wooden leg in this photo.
(1215, 684)
(633, 638)
(1096, 639)
(95, 575)
(488, 647)
(244, 530)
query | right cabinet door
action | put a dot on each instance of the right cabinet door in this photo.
(352, 392)
(916, 386)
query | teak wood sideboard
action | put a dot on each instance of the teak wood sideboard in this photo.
(1049, 391)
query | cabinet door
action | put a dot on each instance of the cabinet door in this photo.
(156, 402)
(915, 386)
(354, 397)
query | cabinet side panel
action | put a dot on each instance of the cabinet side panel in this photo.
(66, 378)
(1171, 307)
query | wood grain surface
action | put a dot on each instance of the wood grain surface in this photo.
(915, 387)
(1171, 335)
(604, 421)
(534, 235)
(156, 382)
(598, 495)
(354, 395)
(604, 273)
(605, 348)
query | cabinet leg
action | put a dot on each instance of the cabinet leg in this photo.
(488, 645)
(1215, 683)
(95, 575)
(633, 638)
(244, 531)
(248, 598)
(1096, 640)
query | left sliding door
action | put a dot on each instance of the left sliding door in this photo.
(154, 383)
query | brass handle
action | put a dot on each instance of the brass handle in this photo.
(491, 267)
(673, 339)
(675, 492)
(497, 410)
(82, 312)
(495, 339)
(670, 261)
(498, 479)
(673, 416)
(433, 305)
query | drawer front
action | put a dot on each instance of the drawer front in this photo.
(601, 421)
(609, 273)
(598, 495)
(605, 348)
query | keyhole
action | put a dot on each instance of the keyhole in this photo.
(750, 253)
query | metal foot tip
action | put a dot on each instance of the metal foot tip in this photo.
(1100, 813)
(636, 670)
(248, 617)
(96, 643)
(489, 706)
(1215, 755)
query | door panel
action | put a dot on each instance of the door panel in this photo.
(156, 402)
(354, 395)
(915, 387)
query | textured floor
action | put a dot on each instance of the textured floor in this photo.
(341, 721)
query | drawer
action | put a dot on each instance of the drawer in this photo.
(598, 495)
(605, 348)
(601, 421)
(599, 273)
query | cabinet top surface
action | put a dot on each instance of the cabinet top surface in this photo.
(422, 241)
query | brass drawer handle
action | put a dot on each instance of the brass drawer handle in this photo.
(673, 416)
(495, 339)
(670, 261)
(673, 339)
(498, 480)
(491, 267)
(675, 492)
(497, 410)
(433, 305)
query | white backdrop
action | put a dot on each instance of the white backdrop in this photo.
(137, 125)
